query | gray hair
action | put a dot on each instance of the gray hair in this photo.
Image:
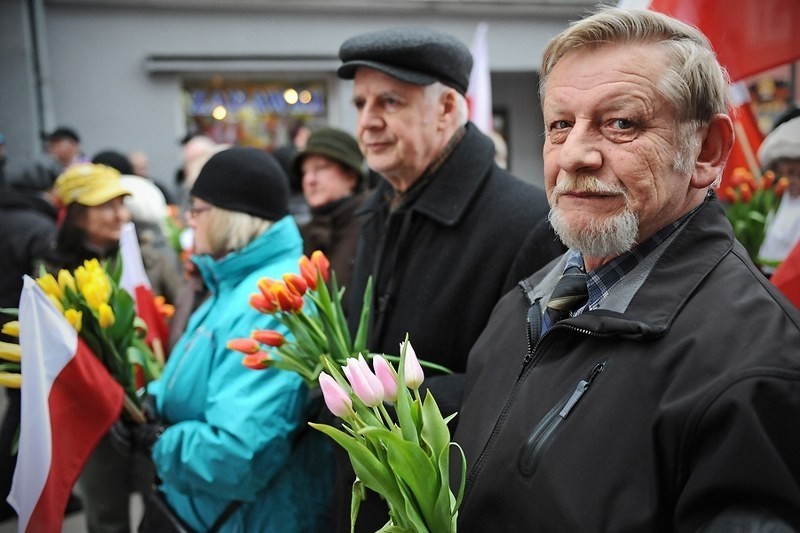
(435, 90)
(694, 84)
(230, 231)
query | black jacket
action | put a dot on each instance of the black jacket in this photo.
(27, 230)
(676, 403)
(439, 264)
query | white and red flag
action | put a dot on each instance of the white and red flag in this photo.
(479, 93)
(68, 402)
(135, 281)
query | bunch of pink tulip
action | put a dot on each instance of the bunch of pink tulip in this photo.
(404, 458)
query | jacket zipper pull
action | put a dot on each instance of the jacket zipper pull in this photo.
(582, 387)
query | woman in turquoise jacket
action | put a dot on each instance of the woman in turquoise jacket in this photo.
(235, 434)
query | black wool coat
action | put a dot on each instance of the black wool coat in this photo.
(439, 264)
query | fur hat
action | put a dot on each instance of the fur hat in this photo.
(782, 143)
(413, 55)
(246, 180)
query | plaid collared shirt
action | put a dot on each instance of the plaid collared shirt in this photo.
(600, 281)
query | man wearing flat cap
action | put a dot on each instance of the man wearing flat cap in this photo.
(439, 233)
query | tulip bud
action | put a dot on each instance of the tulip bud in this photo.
(105, 315)
(781, 186)
(323, 266)
(309, 272)
(11, 328)
(257, 361)
(10, 380)
(745, 193)
(365, 384)
(296, 284)
(269, 337)
(414, 375)
(286, 300)
(65, 280)
(50, 286)
(246, 346)
(75, 319)
(337, 400)
(387, 377)
(10, 351)
(767, 179)
(261, 303)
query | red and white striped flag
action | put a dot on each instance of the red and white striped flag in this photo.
(479, 93)
(135, 281)
(69, 400)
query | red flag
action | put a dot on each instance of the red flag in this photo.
(135, 281)
(749, 36)
(747, 138)
(69, 401)
(787, 276)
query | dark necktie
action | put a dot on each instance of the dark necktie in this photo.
(570, 293)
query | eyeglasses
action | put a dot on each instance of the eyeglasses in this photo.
(194, 211)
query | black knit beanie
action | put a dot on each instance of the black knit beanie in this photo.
(246, 180)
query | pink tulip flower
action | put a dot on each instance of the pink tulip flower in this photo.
(413, 370)
(365, 384)
(387, 377)
(335, 396)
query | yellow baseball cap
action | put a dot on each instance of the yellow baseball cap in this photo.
(89, 184)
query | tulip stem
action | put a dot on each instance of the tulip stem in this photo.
(386, 417)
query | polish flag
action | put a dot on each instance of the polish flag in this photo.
(787, 276)
(479, 93)
(135, 281)
(68, 402)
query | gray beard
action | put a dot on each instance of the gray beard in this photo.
(603, 238)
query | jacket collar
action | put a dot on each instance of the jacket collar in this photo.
(692, 254)
(453, 185)
(279, 240)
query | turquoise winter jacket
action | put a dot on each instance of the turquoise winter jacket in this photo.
(236, 433)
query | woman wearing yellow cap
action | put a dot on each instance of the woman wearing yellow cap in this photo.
(91, 196)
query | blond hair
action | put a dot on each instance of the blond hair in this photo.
(230, 231)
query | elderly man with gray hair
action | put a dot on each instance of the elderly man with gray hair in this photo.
(440, 231)
(656, 386)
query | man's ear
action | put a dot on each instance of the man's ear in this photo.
(715, 148)
(448, 108)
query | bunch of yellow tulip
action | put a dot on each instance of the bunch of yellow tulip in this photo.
(10, 355)
(104, 316)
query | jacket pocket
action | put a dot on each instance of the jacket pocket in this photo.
(541, 436)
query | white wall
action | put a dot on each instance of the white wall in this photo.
(101, 87)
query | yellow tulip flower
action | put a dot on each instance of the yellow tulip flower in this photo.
(10, 351)
(75, 319)
(105, 316)
(10, 380)
(11, 328)
(82, 277)
(65, 280)
(94, 295)
(50, 286)
(57, 303)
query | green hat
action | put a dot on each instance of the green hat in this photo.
(334, 144)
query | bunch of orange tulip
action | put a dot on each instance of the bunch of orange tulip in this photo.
(749, 203)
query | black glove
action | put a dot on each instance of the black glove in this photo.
(128, 437)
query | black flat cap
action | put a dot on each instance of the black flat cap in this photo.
(414, 55)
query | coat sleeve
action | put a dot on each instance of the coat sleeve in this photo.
(742, 452)
(246, 437)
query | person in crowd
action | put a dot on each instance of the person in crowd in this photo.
(780, 152)
(141, 167)
(298, 133)
(227, 433)
(64, 145)
(441, 229)
(649, 380)
(27, 229)
(114, 159)
(330, 169)
(93, 198)
(148, 209)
